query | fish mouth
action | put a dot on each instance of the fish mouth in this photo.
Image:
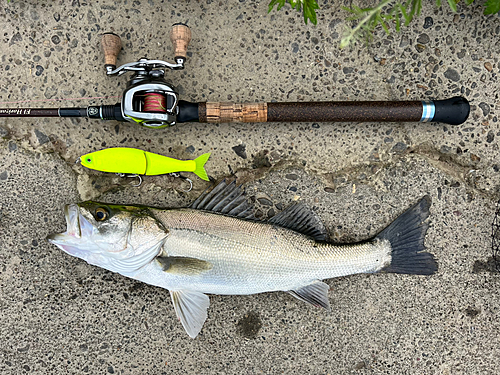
(77, 227)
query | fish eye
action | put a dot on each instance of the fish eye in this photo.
(101, 214)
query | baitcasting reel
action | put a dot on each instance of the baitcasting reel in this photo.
(148, 99)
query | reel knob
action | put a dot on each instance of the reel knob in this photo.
(180, 35)
(111, 44)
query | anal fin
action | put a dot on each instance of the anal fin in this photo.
(191, 308)
(316, 294)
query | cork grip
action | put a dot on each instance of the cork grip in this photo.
(233, 112)
(111, 44)
(180, 35)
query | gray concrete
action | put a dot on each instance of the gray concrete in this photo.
(61, 315)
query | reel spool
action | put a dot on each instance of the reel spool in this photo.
(149, 99)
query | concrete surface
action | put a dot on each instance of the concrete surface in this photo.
(61, 315)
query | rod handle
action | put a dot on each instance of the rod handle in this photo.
(180, 36)
(453, 111)
(111, 44)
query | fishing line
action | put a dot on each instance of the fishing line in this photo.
(61, 99)
(155, 102)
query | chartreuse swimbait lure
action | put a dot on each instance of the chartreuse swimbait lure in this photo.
(124, 160)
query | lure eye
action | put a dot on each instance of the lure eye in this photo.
(101, 214)
(89, 160)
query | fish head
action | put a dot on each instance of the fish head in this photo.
(115, 237)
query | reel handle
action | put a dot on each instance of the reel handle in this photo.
(111, 44)
(180, 36)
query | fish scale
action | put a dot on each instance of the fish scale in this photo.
(251, 257)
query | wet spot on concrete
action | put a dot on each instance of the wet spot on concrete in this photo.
(249, 325)
(261, 160)
(472, 312)
(190, 149)
(240, 151)
(485, 266)
(4, 175)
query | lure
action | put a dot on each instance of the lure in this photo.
(124, 160)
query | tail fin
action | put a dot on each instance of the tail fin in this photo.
(200, 163)
(406, 235)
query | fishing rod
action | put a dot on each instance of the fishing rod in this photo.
(151, 101)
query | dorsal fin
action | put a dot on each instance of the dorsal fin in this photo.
(301, 218)
(228, 199)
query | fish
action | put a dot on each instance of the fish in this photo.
(128, 160)
(217, 246)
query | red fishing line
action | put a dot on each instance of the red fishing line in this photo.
(154, 102)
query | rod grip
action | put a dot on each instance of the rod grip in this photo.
(453, 111)
(111, 44)
(216, 112)
(180, 36)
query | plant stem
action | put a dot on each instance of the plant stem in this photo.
(347, 39)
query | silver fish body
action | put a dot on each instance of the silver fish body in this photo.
(248, 257)
(212, 247)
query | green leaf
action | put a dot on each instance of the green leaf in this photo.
(492, 6)
(280, 3)
(453, 5)
(295, 4)
(309, 9)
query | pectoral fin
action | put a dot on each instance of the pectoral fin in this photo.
(184, 265)
(191, 309)
(316, 294)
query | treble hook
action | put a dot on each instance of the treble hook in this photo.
(176, 174)
(132, 176)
